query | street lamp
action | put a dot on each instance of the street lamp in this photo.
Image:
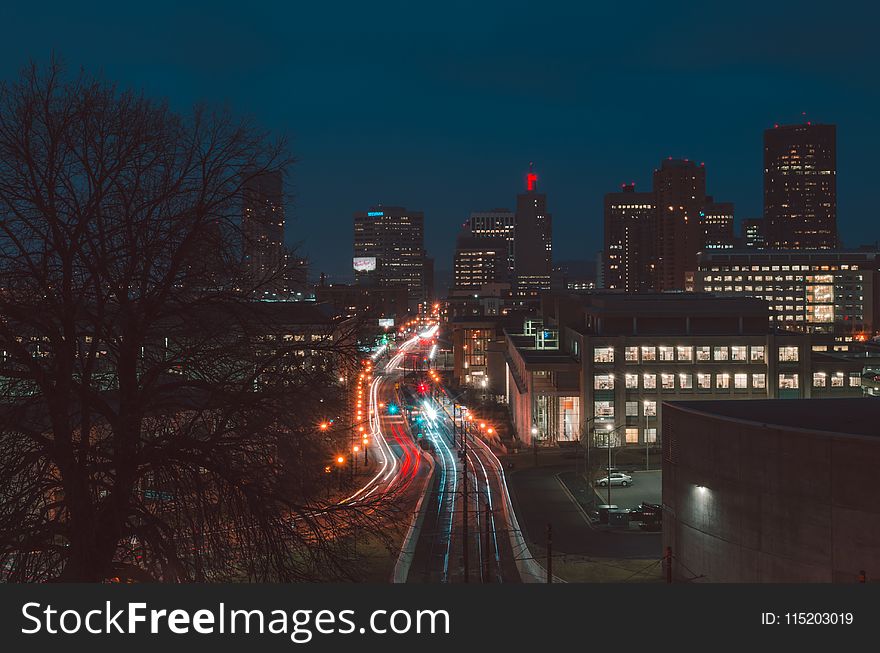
(647, 453)
(608, 432)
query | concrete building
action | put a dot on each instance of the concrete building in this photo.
(365, 301)
(717, 221)
(679, 195)
(612, 359)
(630, 262)
(828, 291)
(753, 234)
(772, 491)
(262, 223)
(389, 250)
(533, 240)
(479, 262)
(800, 186)
(497, 224)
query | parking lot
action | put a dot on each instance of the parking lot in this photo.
(647, 486)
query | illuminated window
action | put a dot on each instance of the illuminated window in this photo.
(819, 379)
(704, 380)
(686, 381)
(740, 381)
(685, 353)
(837, 380)
(603, 355)
(759, 381)
(632, 381)
(632, 435)
(667, 353)
(788, 381)
(737, 353)
(603, 382)
(651, 434)
(631, 354)
(703, 353)
(788, 355)
(650, 408)
(603, 409)
(757, 354)
(720, 353)
(649, 353)
(667, 381)
(632, 409)
(649, 381)
(722, 381)
(855, 379)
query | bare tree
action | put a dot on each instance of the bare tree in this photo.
(156, 424)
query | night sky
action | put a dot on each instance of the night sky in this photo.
(441, 108)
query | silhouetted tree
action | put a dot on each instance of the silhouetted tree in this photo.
(156, 424)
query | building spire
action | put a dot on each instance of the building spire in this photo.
(531, 178)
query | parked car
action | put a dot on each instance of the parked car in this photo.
(615, 478)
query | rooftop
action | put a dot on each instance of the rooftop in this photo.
(851, 416)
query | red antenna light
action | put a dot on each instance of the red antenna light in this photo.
(531, 178)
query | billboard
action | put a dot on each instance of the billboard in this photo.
(386, 322)
(364, 263)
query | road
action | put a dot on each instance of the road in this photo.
(476, 503)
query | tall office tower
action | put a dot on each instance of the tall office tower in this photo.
(389, 250)
(263, 233)
(753, 233)
(717, 221)
(800, 186)
(479, 262)
(630, 235)
(533, 240)
(679, 195)
(497, 223)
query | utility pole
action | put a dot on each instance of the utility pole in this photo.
(488, 566)
(464, 512)
(549, 553)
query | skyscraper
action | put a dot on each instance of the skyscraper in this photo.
(389, 250)
(533, 240)
(263, 233)
(680, 195)
(753, 233)
(800, 186)
(497, 223)
(479, 262)
(630, 234)
(717, 221)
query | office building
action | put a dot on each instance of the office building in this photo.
(497, 224)
(389, 250)
(533, 240)
(479, 261)
(679, 194)
(611, 359)
(263, 252)
(753, 236)
(630, 240)
(800, 186)
(772, 491)
(717, 221)
(833, 291)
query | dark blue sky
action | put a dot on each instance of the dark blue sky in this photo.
(441, 107)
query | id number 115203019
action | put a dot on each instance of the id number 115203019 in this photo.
(807, 618)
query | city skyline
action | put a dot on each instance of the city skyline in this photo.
(451, 127)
